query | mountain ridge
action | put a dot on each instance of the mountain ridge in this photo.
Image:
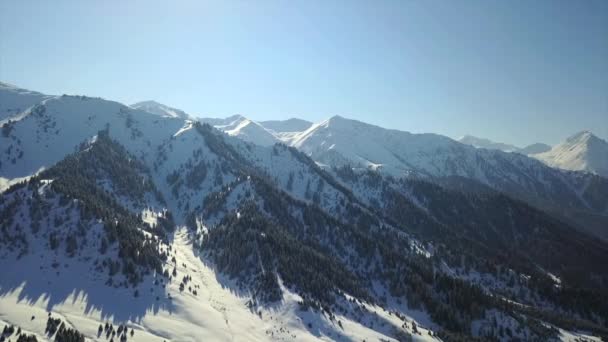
(280, 241)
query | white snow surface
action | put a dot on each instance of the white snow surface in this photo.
(50, 127)
(14, 100)
(218, 312)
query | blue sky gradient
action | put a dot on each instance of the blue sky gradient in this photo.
(512, 71)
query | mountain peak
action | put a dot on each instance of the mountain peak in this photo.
(236, 117)
(243, 128)
(8, 86)
(582, 151)
(338, 118)
(588, 139)
(582, 136)
(340, 121)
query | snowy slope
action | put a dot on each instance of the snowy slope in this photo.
(580, 152)
(161, 110)
(208, 179)
(218, 312)
(47, 132)
(339, 141)
(14, 100)
(263, 133)
(169, 147)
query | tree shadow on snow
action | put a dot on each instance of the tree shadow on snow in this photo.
(56, 282)
(315, 322)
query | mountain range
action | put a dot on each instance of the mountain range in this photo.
(339, 142)
(230, 229)
(583, 151)
(589, 155)
(489, 144)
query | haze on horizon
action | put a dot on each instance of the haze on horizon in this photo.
(515, 72)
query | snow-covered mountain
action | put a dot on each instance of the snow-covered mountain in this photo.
(191, 164)
(339, 142)
(61, 123)
(46, 132)
(265, 133)
(191, 300)
(161, 109)
(581, 152)
(187, 230)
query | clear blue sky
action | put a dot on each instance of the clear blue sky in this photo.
(513, 71)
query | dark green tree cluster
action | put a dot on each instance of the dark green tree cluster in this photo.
(7, 128)
(9, 330)
(76, 178)
(54, 326)
(252, 244)
(475, 227)
(196, 175)
(27, 338)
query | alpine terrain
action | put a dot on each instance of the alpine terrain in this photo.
(146, 223)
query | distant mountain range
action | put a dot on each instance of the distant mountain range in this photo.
(177, 228)
(582, 151)
(339, 141)
(589, 154)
